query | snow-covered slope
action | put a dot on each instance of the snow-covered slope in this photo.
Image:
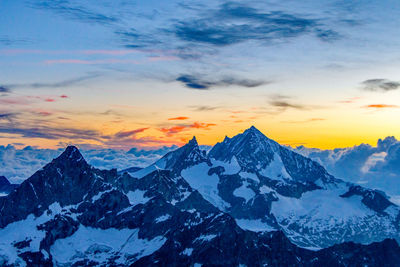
(264, 185)
(193, 211)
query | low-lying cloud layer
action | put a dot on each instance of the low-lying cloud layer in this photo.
(19, 164)
(372, 166)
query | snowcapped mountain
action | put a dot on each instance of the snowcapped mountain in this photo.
(266, 186)
(192, 208)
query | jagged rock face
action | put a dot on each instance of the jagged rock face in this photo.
(373, 199)
(65, 180)
(184, 157)
(255, 152)
(265, 186)
(70, 214)
(5, 186)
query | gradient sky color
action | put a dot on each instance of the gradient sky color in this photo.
(124, 74)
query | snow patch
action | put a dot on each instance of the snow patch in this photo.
(100, 244)
(276, 169)
(231, 167)
(254, 225)
(244, 192)
(137, 197)
(207, 185)
(205, 238)
(187, 251)
(163, 218)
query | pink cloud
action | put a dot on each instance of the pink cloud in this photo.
(90, 62)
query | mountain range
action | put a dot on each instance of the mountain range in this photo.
(248, 201)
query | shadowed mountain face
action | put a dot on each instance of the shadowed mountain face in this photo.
(5, 186)
(266, 186)
(189, 208)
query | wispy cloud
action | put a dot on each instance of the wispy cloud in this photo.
(283, 102)
(201, 83)
(181, 118)
(380, 85)
(25, 100)
(204, 108)
(76, 12)
(91, 62)
(7, 116)
(108, 52)
(350, 100)
(169, 131)
(47, 132)
(379, 106)
(234, 23)
(4, 89)
(9, 41)
(60, 84)
(124, 134)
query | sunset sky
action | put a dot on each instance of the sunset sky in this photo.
(122, 74)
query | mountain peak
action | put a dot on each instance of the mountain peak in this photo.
(71, 154)
(4, 181)
(193, 141)
(253, 130)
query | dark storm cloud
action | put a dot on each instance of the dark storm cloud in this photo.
(382, 85)
(200, 83)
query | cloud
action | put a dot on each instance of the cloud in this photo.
(25, 100)
(380, 85)
(76, 12)
(200, 83)
(233, 23)
(9, 41)
(169, 131)
(91, 62)
(350, 100)
(178, 118)
(7, 116)
(285, 104)
(46, 132)
(19, 164)
(4, 89)
(124, 134)
(204, 108)
(378, 106)
(282, 102)
(60, 84)
(373, 166)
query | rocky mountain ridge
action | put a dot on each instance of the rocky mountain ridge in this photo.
(71, 214)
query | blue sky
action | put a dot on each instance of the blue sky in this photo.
(326, 71)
